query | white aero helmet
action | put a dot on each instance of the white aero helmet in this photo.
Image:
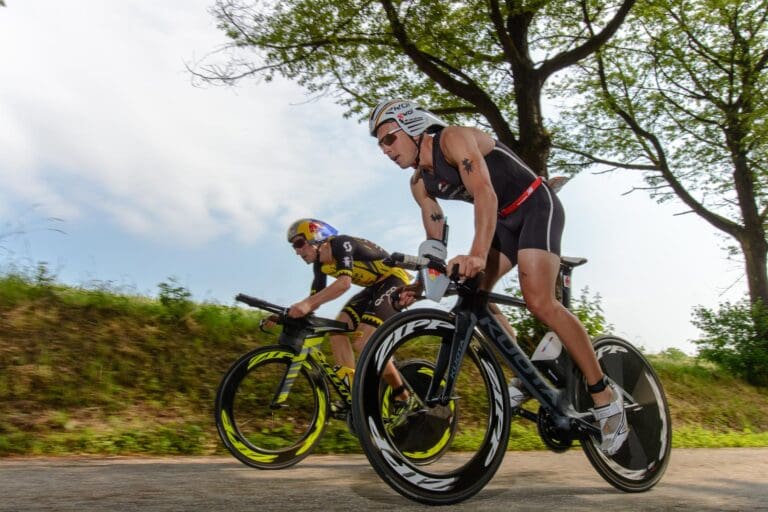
(408, 115)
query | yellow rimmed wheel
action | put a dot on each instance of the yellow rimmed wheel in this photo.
(255, 430)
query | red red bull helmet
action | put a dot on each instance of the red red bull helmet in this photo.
(313, 230)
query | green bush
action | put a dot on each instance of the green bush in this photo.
(736, 338)
(101, 371)
(176, 299)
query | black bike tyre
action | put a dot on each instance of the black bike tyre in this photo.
(226, 413)
(413, 481)
(641, 461)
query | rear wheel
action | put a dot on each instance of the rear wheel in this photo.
(642, 460)
(436, 429)
(254, 432)
(469, 459)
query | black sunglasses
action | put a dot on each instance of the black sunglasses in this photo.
(299, 243)
(389, 138)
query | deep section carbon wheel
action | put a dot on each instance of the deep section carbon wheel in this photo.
(259, 434)
(642, 460)
(471, 458)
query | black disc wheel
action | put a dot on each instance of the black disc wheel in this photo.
(253, 429)
(643, 458)
(468, 458)
(426, 442)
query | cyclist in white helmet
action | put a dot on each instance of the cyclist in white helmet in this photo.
(350, 260)
(518, 221)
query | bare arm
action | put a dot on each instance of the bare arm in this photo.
(461, 147)
(431, 213)
(311, 303)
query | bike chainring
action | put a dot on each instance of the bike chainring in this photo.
(556, 439)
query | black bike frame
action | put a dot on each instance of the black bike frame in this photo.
(472, 313)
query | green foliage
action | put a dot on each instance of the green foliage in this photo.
(678, 94)
(98, 372)
(674, 354)
(175, 298)
(688, 72)
(736, 337)
(466, 60)
(95, 371)
(697, 437)
(530, 331)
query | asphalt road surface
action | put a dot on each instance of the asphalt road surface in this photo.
(696, 480)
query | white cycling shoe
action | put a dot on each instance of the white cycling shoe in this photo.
(517, 393)
(613, 422)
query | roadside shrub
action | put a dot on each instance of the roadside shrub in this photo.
(175, 299)
(736, 338)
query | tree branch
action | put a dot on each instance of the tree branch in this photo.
(468, 91)
(716, 220)
(603, 161)
(510, 51)
(590, 46)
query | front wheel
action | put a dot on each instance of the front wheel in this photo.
(641, 461)
(467, 462)
(255, 432)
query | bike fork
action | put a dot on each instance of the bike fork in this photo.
(449, 360)
(284, 389)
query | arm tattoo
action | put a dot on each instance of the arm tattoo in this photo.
(437, 217)
(467, 164)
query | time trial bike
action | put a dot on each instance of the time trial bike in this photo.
(273, 404)
(465, 345)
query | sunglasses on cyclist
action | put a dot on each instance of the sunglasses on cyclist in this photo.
(299, 243)
(389, 138)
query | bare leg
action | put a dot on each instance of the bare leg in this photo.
(538, 273)
(340, 346)
(496, 266)
(391, 375)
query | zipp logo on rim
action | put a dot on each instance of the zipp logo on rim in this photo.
(404, 470)
(610, 350)
(425, 324)
(498, 414)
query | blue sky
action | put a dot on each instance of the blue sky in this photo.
(101, 126)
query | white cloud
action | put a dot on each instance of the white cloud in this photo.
(107, 120)
(99, 119)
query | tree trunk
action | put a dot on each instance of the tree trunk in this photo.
(535, 142)
(752, 236)
(755, 250)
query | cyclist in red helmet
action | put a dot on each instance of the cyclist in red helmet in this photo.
(350, 260)
(518, 221)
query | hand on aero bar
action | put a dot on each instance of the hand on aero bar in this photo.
(300, 309)
(407, 295)
(469, 266)
(268, 322)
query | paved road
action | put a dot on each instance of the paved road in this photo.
(696, 480)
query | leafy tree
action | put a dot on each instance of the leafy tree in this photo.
(679, 95)
(733, 338)
(487, 61)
